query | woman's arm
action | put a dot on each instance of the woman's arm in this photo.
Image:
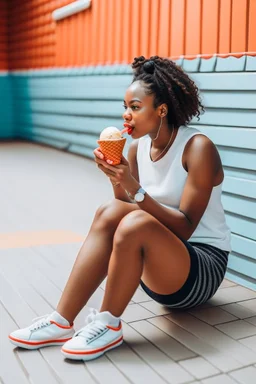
(118, 190)
(202, 162)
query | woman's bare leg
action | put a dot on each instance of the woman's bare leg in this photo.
(143, 247)
(91, 265)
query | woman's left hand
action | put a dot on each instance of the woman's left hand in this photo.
(122, 173)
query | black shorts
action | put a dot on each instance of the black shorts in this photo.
(208, 267)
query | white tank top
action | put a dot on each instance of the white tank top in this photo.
(164, 181)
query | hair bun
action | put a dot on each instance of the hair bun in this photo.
(149, 66)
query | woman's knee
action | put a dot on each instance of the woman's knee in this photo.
(130, 227)
(109, 214)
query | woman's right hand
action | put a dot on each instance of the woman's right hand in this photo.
(101, 163)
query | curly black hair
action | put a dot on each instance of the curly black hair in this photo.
(170, 85)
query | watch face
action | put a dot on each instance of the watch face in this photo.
(139, 197)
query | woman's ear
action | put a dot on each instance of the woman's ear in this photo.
(163, 110)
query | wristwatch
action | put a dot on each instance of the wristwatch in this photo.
(139, 195)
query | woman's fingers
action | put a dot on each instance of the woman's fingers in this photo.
(107, 171)
(98, 154)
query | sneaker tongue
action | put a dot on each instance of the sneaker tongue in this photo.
(55, 316)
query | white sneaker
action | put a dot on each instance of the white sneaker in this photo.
(45, 331)
(102, 333)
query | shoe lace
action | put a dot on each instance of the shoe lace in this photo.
(92, 328)
(40, 322)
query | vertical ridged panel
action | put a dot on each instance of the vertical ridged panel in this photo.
(193, 27)
(252, 26)
(145, 28)
(164, 25)
(225, 26)
(6, 107)
(3, 36)
(239, 26)
(154, 31)
(210, 26)
(115, 31)
(177, 28)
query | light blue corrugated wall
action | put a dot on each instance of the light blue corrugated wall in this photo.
(6, 107)
(69, 108)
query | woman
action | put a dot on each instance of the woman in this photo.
(165, 229)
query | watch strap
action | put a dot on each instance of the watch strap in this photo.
(141, 190)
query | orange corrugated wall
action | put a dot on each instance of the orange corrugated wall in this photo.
(115, 31)
(3, 36)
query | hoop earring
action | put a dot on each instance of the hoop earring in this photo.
(161, 122)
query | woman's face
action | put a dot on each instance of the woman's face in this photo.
(140, 113)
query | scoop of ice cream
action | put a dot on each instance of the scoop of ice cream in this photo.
(110, 133)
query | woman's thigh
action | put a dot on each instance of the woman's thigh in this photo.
(166, 260)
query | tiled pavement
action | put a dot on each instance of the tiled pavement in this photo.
(47, 200)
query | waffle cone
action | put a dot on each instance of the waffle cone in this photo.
(112, 149)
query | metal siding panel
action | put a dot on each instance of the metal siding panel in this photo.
(252, 26)
(240, 205)
(239, 186)
(243, 265)
(244, 246)
(225, 26)
(243, 159)
(70, 123)
(193, 27)
(226, 81)
(177, 33)
(228, 117)
(6, 105)
(210, 26)
(230, 64)
(242, 225)
(164, 25)
(251, 62)
(230, 137)
(241, 279)
(72, 107)
(226, 99)
(239, 26)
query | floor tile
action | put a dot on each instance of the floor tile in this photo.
(214, 315)
(222, 360)
(249, 342)
(125, 359)
(238, 310)
(251, 320)
(231, 295)
(245, 375)
(33, 279)
(164, 342)
(199, 367)
(140, 296)
(171, 371)
(250, 304)
(214, 337)
(156, 308)
(135, 312)
(219, 379)
(237, 329)
(227, 283)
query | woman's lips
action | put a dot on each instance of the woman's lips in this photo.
(129, 128)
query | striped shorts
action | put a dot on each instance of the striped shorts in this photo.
(208, 267)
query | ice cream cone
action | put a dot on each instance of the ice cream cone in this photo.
(112, 149)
